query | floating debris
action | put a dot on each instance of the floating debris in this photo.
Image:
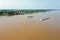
(45, 19)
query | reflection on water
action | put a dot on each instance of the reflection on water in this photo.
(21, 28)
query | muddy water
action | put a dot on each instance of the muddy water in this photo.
(22, 28)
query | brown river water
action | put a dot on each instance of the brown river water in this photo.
(20, 27)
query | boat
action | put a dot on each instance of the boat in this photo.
(45, 19)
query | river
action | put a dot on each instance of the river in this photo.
(20, 27)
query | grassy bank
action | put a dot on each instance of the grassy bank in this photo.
(19, 12)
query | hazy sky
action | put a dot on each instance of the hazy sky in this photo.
(30, 4)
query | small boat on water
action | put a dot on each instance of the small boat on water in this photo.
(45, 19)
(30, 16)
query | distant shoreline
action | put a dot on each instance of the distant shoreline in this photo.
(19, 12)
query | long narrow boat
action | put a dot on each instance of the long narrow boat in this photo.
(45, 19)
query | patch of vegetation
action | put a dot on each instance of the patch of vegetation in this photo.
(19, 12)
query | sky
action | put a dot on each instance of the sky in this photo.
(29, 4)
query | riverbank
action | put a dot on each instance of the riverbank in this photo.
(19, 12)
